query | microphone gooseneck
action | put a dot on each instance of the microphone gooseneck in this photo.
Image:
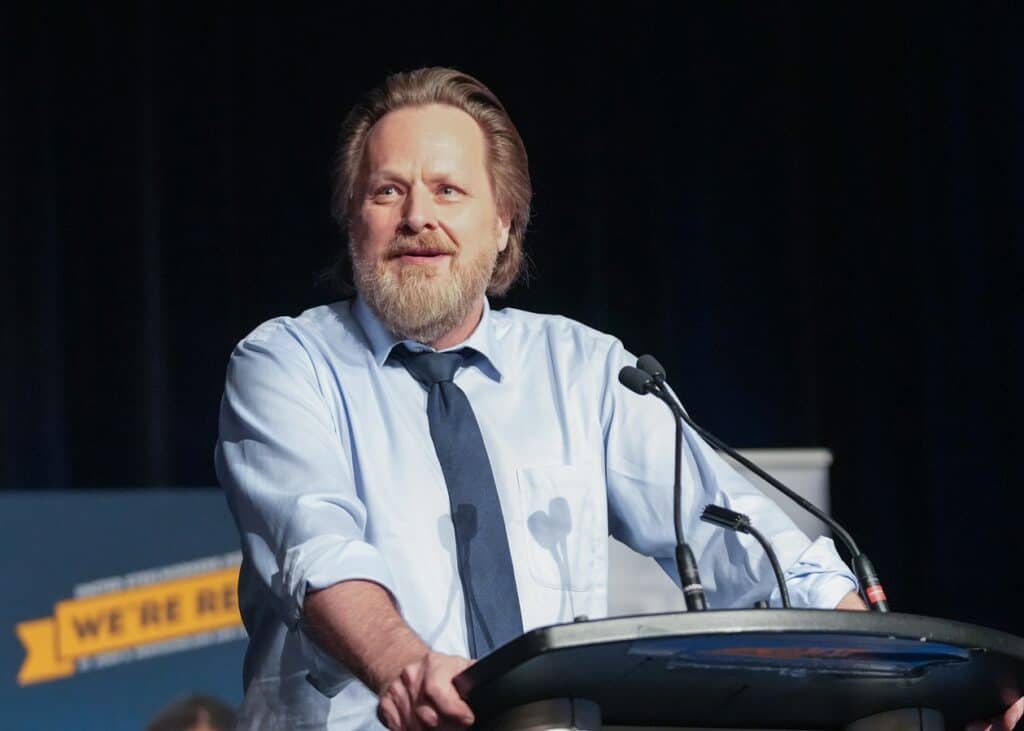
(731, 520)
(641, 383)
(862, 566)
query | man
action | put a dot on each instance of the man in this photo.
(417, 478)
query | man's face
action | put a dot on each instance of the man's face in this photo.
(427, 232)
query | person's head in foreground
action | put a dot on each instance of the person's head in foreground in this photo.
(194, 713)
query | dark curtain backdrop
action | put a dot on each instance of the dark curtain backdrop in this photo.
(810, 212)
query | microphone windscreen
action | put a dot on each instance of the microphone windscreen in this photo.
(650, 364)
(725, 518)
(634, 379)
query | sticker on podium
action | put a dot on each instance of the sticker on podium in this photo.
(803, 654)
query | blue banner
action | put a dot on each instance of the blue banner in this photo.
(118, 603)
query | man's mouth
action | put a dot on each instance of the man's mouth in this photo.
(421, 255)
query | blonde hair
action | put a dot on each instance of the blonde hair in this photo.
(507, 163)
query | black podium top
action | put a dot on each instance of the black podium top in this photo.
(765, 668)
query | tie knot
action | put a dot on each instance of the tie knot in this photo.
(429, 367)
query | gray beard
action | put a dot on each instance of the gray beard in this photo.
(418, 303)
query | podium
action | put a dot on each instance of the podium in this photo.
(760, 668)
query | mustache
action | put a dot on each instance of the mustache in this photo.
(428, 243)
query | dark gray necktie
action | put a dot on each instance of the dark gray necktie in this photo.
(485, 565)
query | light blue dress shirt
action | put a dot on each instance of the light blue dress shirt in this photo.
(326, 458)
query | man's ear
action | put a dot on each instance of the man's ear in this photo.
(503, 229)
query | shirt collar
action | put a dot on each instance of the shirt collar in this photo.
(382, 340)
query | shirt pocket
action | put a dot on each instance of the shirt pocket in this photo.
(561, 507)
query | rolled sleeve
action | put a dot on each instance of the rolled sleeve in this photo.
(285, 465)
(817, 578)
(324, 561)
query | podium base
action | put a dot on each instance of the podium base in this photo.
(577, 714)
(555, 714)
(901, 719)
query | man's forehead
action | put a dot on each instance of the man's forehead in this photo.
(434, 133)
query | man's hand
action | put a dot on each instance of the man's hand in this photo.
(423, 696)
(1006, 722)
(358, 622)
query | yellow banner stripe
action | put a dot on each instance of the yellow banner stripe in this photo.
(39, 636)
(126, 619)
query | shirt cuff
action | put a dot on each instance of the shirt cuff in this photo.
(818, 579)
(328, 560)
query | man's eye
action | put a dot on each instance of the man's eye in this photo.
(449, 191)
(387, 190)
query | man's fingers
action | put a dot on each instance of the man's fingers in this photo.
(443, 696)
(439, 690)
(388, 713)
(1013, 714)
(398, 696)
(411, 680)
(427, 715)
(1006, 722)
(412, 676)
(423, 697)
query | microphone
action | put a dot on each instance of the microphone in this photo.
(862, 566)
(641, 383)
(649, 364)
(731, 520)
(636, 380)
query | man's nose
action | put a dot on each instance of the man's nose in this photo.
(419, 213)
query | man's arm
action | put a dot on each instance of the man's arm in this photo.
(639, 443)
(853, 602)
(358, 623)
(290, 483)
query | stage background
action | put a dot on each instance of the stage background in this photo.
(810, 212)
